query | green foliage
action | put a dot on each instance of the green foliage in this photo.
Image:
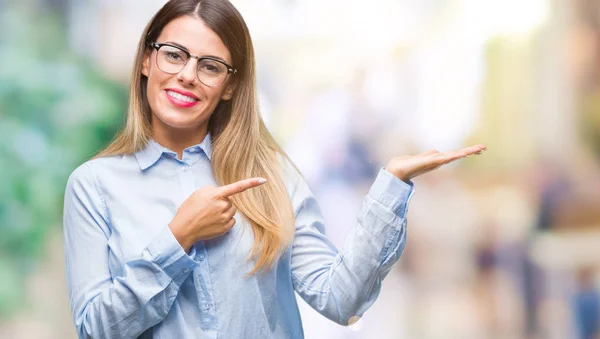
(56, 111)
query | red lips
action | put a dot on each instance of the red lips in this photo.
(181, 103)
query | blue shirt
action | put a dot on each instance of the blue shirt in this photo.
(128, 276)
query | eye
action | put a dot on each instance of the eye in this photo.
(211, 67)
(173, 56)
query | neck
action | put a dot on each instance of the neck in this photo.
(178, 139)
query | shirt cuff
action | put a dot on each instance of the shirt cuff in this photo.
(392, 192)
(166, 252)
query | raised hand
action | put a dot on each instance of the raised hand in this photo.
(410, 166)
(208, 212)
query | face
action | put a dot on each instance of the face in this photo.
(180, 102)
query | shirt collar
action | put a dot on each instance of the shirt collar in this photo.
(150, 154)
(206, 146)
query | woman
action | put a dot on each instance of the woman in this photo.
(193, 223)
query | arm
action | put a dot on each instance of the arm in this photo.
(115, 307)
(344, 285)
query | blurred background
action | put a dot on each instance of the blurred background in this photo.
(503, 245)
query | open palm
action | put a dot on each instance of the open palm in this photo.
(409, 166)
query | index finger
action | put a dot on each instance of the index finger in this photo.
(461, 153)
(240, 186)
(475, 149)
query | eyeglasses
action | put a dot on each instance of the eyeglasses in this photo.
(172, 59)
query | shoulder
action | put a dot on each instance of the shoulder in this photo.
(295, 183)
(87, 173)
(289, 172)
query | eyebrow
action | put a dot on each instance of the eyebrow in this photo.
(187, 50)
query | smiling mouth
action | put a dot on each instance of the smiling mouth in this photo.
(181, 100)
(181, 97)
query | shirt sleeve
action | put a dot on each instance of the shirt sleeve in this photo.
(343, 285)
(105, 306)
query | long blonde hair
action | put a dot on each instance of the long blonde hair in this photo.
(242, 145)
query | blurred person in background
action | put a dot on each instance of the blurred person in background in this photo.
(150, 244)
(586, 305)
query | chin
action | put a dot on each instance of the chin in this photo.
(183, 124)
(179, 120)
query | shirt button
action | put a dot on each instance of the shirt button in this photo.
(206, 307)
(186, 270)
(201, 257)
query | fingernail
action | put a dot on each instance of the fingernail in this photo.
(262, 180)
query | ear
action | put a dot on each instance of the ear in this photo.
(228, 92)
(146, 63)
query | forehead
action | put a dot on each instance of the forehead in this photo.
(196, 36)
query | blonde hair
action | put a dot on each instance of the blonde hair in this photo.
(242, 145)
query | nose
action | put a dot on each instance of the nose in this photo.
(188, 75)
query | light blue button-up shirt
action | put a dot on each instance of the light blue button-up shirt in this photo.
(128, 276)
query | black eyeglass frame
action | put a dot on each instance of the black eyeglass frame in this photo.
(157, 46)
